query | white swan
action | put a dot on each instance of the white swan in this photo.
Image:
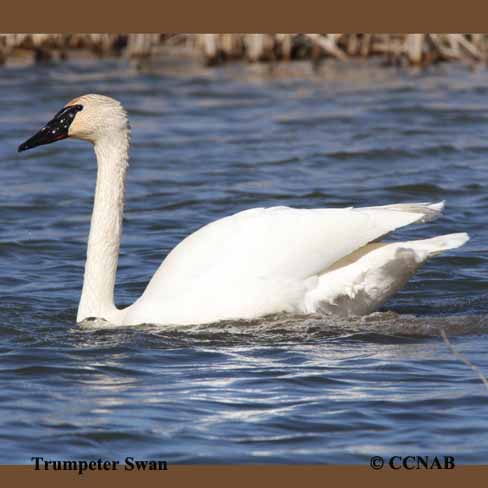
(253, 263)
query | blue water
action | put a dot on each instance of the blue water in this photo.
(206, 143)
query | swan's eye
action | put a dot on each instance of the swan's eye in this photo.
(78, 107)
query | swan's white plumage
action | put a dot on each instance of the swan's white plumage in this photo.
(264, 261)
(253, 263)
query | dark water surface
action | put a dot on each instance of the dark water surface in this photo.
(207, 143)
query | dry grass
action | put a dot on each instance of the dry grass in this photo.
(400, 49)
(464, 359)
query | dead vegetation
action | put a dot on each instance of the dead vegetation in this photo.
(394, 49)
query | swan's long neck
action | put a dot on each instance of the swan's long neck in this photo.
(97, 298)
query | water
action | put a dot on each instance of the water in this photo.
(206, 143)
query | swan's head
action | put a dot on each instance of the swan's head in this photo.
(89, 117)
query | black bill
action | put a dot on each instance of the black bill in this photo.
(55, 130)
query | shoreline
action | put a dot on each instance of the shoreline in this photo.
(400, 50)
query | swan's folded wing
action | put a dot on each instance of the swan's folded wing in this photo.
(275, 244)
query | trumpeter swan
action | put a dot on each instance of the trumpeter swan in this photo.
(253, 263)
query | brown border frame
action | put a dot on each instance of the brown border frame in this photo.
(244, 16)
(196, 476)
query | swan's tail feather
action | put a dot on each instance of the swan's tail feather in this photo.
(438, 244)
(364, 280)
(427, 211)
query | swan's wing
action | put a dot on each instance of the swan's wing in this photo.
(273, 245)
